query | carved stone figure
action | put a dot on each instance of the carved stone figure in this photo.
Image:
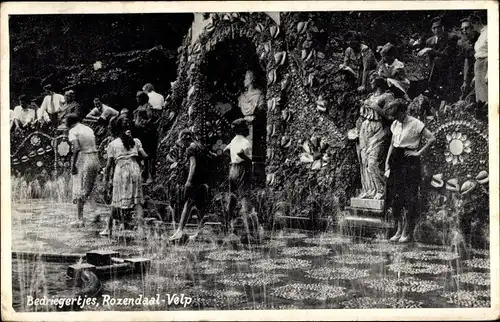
(373, 139)
(251, 103)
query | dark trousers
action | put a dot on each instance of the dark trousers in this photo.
(403, 186)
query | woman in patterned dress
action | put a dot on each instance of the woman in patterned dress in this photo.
(124, 153)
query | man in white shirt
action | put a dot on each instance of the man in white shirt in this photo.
(156, 100)
(481, 56)
(23, 115)
(240, 150)
(51, 104)
(101, 111)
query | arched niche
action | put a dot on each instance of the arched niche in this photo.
(243, 43)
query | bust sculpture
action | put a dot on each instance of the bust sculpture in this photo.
(251, 102)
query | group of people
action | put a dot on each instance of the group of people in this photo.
(389, 140)
(28, 116)
(449, 56)
(130, 154)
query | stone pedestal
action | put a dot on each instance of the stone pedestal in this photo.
(366, 218)
(367, 204)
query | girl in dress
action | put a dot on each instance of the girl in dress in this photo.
(124, 153)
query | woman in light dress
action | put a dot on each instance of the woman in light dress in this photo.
(124, 153)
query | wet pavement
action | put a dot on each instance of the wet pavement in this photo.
(290, 270)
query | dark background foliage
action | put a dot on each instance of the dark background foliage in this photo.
(61, 50)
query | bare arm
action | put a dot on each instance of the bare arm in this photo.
(391, 147)
(107, 171)
(243, 155)
(192, 168)
(93, 114)
(429, 136)
(74, 157)
(143, 153)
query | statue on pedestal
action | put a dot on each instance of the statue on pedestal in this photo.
(373, 139)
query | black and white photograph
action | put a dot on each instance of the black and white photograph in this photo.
(215, 160)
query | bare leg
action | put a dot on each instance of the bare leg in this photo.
(396, 210)
(405, 230)
(109, 226)
(183, 220)
(79, 205)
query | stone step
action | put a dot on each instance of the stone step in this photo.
(356, 221)
(374, 204)
(374, 212)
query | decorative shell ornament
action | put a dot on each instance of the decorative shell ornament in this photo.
(309, 55)
(482, 177)
(196, 48)
(301, 27)
(452, 185)
(467, 187)
(97, 65)
(286, 142)
(271, 77)
(286, 115)
(274, 31)
(321, 104)
(209, 28)
(269, 129)
(273, 131)
(280, 57)
(267, 47)
(284, 83)
(303, 54)
(310, 80)
(270, 153)
(315, 153)
(270, 179)
(271, 104)
(259, 27)
(437, 180)
(190, 110)
(191, 91)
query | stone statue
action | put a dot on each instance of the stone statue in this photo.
(373, 139)
(251, 103)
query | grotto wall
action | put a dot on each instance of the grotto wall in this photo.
(311, 166)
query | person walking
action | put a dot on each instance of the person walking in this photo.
(84, 163)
